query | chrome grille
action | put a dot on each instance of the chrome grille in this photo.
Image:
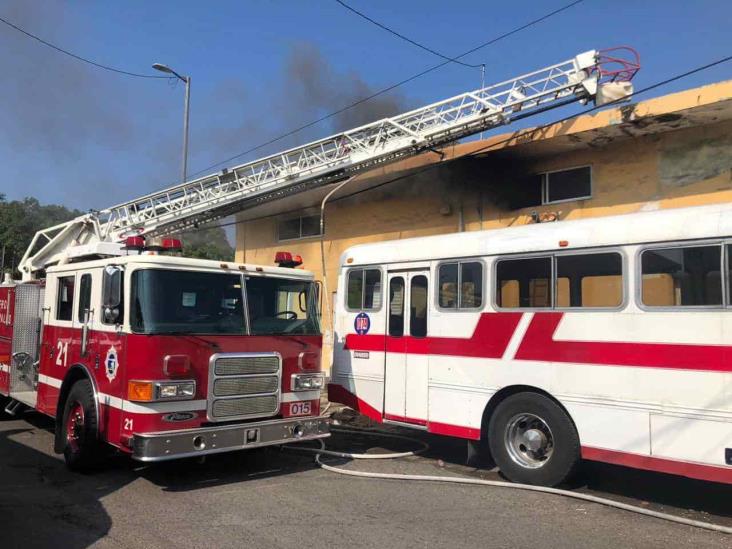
(247, 406)
(244, 385)
(240, 365)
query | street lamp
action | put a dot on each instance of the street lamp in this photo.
(187, 80)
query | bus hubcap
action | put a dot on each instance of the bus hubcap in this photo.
(529, 441)
(75, 426)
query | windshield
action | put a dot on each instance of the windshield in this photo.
(282, 306)
(165, 301)
(188, 302)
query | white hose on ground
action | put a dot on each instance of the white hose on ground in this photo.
(463, 480)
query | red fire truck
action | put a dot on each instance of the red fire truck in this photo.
(126, 344)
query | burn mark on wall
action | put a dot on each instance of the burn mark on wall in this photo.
(689, 162)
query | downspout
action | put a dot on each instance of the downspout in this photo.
(322, 245)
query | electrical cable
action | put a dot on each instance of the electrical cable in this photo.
(513, 137)
(388, 88)
(405, 38)
(481, 482)
(78, 57)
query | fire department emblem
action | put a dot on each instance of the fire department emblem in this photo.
(362, 324)
(111, 364)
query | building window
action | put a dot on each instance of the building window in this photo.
(460, 285)
(364, 289)
(84, 296)
(293, 228)
(688, 276)
(65, 298)
(551, 187)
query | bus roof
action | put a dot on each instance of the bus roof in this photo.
(634, 228)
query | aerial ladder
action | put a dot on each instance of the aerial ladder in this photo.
(590, 76)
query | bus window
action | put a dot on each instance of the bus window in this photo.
(590, 280)
(524, 283)
(396, 307)
(468, 277)
(681, 276)
(418, 306)
(364, 289)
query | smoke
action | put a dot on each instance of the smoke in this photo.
(317, 88)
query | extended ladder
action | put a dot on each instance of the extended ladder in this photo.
(331, 159)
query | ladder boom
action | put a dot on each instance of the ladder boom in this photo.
(333, 158)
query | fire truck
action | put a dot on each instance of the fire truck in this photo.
(127, 344)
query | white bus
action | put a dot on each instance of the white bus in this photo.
(608, 339)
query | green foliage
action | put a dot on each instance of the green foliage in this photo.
(21, 219)
(207, 243)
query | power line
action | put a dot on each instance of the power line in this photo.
(78, 57)
(503, 141)
(405, 38)
(389, 88)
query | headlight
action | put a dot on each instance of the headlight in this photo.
(307, 382)
(151, 391)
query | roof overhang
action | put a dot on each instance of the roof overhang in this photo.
(695, 107)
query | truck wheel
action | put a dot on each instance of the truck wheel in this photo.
(533, 440)
(82, 448)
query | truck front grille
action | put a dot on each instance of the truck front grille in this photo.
(244, 385)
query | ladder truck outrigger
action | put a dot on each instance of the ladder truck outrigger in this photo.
(127, 344)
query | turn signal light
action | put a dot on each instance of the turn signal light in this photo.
(140, 391)
(176, 365)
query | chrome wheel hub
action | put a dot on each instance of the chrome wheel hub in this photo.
(529, 440)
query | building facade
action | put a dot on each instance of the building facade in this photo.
(667, 152)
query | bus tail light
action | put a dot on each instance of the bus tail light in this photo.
(176, 365)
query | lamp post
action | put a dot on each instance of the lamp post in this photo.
(187, 80)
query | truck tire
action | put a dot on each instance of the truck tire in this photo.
(533, 440)
(82, 449)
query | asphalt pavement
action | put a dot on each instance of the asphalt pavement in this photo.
(270, 498)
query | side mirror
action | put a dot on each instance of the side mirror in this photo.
(111, 293)
(85, 332)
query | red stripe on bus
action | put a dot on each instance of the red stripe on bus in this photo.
(337, 393)
(404, 419)
(489, 340)
(539, 344)
(453, 430)
(649, 463)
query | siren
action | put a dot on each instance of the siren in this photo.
(286, 259)
(134, 243)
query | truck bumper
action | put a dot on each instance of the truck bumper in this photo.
(166, 445)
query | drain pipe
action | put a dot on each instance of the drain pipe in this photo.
(322, 244)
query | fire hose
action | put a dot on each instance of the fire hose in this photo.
(322, 451)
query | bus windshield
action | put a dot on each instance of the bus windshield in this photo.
(189, 302)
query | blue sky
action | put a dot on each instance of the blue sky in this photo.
(86, 138)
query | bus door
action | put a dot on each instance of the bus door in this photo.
(406, 359)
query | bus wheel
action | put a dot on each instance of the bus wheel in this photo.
(533, 440)
(82, 449)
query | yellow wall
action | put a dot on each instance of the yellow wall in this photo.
(673, 169)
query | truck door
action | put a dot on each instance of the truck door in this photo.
(406, 357)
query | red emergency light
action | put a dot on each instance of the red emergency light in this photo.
(286, 259)
(172, 245)
(134, 243)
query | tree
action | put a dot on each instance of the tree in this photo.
(20, 220)
(207, 243)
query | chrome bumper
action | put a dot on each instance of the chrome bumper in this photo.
(213, 440)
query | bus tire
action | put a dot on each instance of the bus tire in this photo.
(82, 448)
(533, 440)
